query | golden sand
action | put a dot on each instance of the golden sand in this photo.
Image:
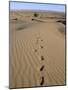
(37, 49)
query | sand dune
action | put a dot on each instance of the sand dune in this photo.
(37, 49)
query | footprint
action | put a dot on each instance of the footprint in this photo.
(41, 46)
(35, 50)
(42, 57)
(42, 81)
(41, 40)
(42, 68)
(32, 19)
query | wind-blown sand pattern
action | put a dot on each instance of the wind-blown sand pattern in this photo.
(37, 49)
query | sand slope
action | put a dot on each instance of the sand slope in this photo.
(37, 50)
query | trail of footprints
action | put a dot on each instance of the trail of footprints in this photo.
(41, 57)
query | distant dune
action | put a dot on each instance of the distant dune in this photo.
(37, 49)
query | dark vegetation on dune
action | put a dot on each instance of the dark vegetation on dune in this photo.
(61, 21)
(37, 20)
(36, 14)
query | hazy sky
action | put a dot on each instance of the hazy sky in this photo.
(35, 6)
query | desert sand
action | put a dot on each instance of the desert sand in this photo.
(37, 49)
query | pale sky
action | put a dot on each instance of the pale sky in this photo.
(36, 6)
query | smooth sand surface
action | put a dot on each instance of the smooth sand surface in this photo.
(37, 49)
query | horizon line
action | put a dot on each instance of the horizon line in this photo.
(40, 10)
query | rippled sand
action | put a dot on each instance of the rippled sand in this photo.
(37, 49)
